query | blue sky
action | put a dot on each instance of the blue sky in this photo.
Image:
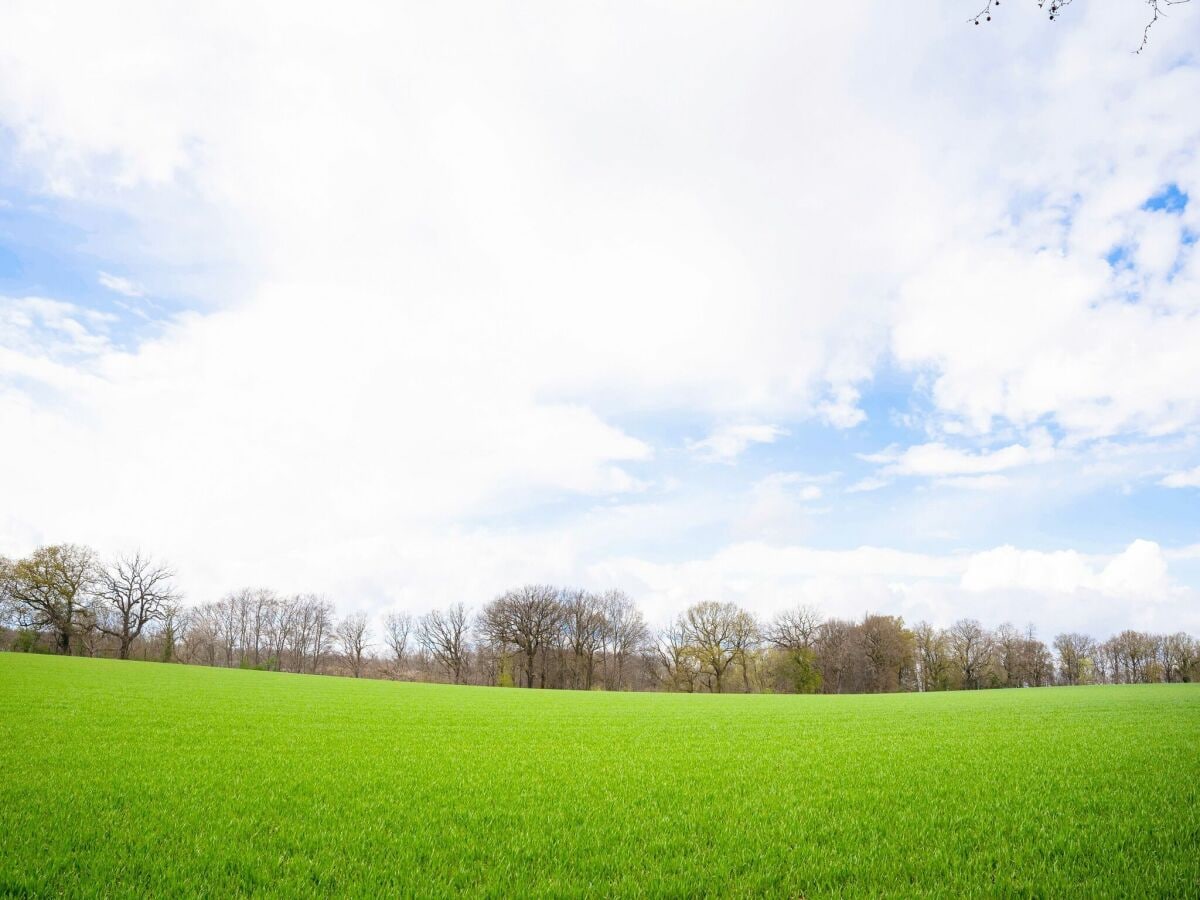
(865, 313)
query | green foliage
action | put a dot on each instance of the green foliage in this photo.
(168, 642)
(139, 779)
(802, 671)
(504, 671)
(26, 641)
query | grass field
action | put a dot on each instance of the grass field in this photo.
(147, 779)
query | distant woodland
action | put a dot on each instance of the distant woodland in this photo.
(64, 599)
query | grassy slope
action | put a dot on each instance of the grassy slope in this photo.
(154, 779)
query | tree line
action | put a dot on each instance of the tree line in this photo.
(64, 599)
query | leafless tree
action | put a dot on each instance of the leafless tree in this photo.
(322, 632)
(795, 629)
(133, 591)
(396, 629)
(260, 616)
(354, 637)
(1075, 653)
(1181, 657)
(834, 648)
(554, 638)
(793, 634)
(1054, 9)
(1135, 657)
(679, 668)
(885, 654)
(309, 635)
(527, 619)
(970, 649)
(1012, 656)
(747, 635)
(625, 635)
(584, 628)
(1036, 660)
(932, 658)
(443, 634)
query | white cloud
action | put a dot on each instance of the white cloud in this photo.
(463, 255)
(120, 285)
(870, 483)
(778, 507)
(45, 349)
(1139, 571)
(976, 482)
(1054, 590)
(939, 459)
(727, 443)
(1183, 479)
(842, 410)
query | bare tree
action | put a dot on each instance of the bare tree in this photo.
(443, 634)
(132, 591)
(322, 631)
(794, 633)
(1010, 650)
(1181, 657)
(260, 615)
(283, 618)
(833, 648)
(354, 637)
(1054, 9)
(679, 667)
(625, 634)
(795, 629)
(1136, 656)
(884, 654)
(970, 648)
(396, 629)
(746, 640)
(51, 589)
(1036, 661)
(308, 637)
(932, 658)
(528, 619)
(584, 628)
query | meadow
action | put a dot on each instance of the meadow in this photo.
(127, 778)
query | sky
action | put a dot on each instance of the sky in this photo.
(857, 306)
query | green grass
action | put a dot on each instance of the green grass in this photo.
(139, 778)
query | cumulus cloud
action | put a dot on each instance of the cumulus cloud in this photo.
(842, 410)
(1053, 590)
(1183, 479)
(469, 264)
(1138, 571)
(728, 442)
(939, 459)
